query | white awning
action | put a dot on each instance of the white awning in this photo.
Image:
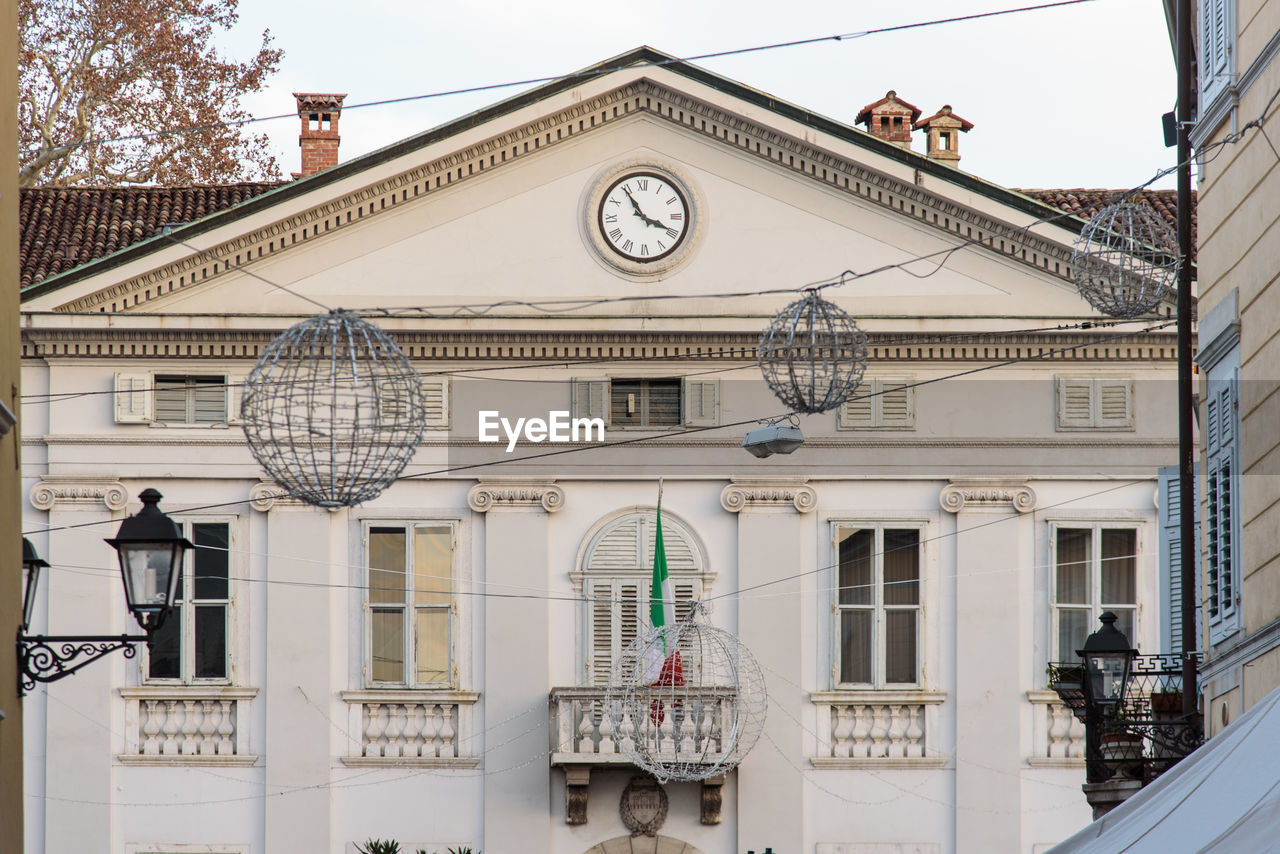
(1224, 798)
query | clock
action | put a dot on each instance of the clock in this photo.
(641, 218)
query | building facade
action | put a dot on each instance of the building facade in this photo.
(1239, 353)
(429, 666)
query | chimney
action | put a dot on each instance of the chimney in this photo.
(319, 138)
(944, 129)
(890, 119)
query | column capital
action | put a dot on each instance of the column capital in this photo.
(515, 493)
(742, 495)
(53, 490)
(265, 494)
(990, 493)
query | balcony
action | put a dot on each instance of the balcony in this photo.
(187, 725)
(877, 729)
(405, 728)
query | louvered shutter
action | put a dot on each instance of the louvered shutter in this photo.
(618, 547)
(1075, 402)
(1114, 403)
(133, 400)
(896, 402)
(1221, 509)
(170, 400)
(1217, 43)
(859, 410)
(435, 393)
(1171, 564)
(591, 399)
(208, 400)
(701, 402)
(615, 606)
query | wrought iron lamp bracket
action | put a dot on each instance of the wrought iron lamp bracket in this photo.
(48, 658)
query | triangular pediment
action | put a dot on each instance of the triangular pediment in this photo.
(496, 208)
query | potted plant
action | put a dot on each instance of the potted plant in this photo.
(1166, 703)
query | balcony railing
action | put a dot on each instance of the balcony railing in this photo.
(430, 729)
(877, 729)
(1148, 734)
(187, 725)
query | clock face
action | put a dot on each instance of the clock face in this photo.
(643, 216)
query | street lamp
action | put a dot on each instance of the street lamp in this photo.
(1108, 658)
(150, 546)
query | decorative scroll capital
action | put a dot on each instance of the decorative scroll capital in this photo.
(80, 490)
(487, 495)
(990, 494)
(744, 494)
(266, 494)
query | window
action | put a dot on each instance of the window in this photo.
(616, 580)
(1095, 569)
(1095, 403)
(1222, 489)
(177, 399)
(880, 403)
(877, 606)
(410, 604)
(192, 645)
(648, 403)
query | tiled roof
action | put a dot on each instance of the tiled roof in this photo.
(61, 228)
(1085, 203)
(64, 227)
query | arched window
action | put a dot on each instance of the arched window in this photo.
(616, 575)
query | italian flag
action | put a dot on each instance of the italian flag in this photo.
(662, 666)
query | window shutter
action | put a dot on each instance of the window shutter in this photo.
(1222, 506)
(1075, 397)
(1115, 403)
(701, 402)
(209, 400)
(897, 403)
(591, 398)
(133, 401)
(619, 548)
(235, 393)
(615, 620)
(435, 394)
(1217, 38)
(1171, 565)
(859, 411)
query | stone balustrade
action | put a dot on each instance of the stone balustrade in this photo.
(859, 729)
(1057, 734)
(584, 734)
(411, 728)
(187, 724)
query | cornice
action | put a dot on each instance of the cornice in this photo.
(576, 346)
(755, 494)
(515, 494)
(641, 97)
(53, 491)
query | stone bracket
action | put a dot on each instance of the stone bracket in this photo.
(576, 780)
(712, 799)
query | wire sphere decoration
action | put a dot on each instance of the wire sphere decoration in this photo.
(333, 410)
(685, 702)
(1125, 260)
(812, 355)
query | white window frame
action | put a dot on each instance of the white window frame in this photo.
(135, 399)
(878, 661)
(590, 583)
(1095, 605)
(184, 611)
(409, 625)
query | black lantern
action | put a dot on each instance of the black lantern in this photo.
(151, 548)
(1108, 658)
(31, 565)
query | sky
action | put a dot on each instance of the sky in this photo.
(1063, 97)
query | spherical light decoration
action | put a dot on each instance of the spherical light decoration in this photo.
(1125, 260)
(333, 410)
(686, 702)
(812, 355)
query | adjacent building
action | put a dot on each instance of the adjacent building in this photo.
(429, 666)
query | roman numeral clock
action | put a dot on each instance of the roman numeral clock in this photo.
(642, 219)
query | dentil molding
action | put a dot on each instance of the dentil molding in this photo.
(740, 495)
(53, 490)
(487, 495)
(987, 493)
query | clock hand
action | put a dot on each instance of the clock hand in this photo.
(646, 220)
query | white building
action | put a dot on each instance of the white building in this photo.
(994, 495)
